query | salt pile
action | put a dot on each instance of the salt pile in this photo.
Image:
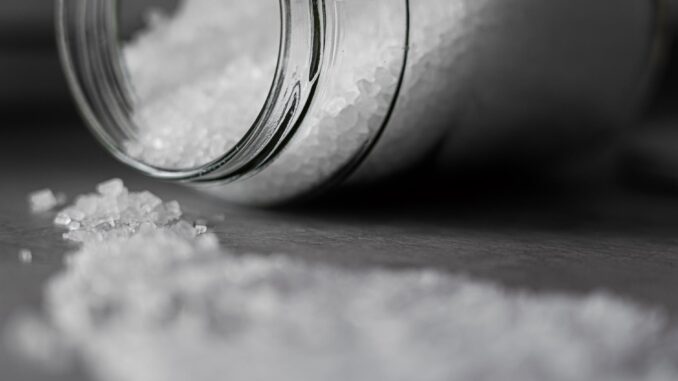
(146, 297)
(198, 88)
(114, 212)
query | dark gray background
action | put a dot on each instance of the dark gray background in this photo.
(29, 68)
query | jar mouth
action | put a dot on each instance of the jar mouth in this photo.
(100, 79)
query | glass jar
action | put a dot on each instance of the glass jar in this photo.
(355, 90)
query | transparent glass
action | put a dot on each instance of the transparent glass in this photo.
(357, 89)
(199, 71)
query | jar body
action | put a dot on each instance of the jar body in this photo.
(388, 83)
(504, 80)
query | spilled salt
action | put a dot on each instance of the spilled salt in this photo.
(45, 200)
(147, 297)
(25, 256)
(114, 211)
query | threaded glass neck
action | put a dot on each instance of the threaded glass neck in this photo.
(89, 38)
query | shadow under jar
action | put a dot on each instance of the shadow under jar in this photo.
(267, 101)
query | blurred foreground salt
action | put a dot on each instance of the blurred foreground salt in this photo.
(45, 200)
(148, 297)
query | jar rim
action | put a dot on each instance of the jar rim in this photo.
(91, 57)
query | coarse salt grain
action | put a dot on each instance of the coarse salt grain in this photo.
(62, 219)
(200, 227)
(113, 187)
(25, 256)
(45, 200)
(115, 212)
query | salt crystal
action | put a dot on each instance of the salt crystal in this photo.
(45, 200)
(62, 219)
(76, 214)
(115, 212)
(148, 200)
(173, 209)
(113, 187)
(25, 256)
(200, 229)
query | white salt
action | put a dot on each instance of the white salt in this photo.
(200, 227)
(62, 219)
(199, 88)
(200, 83)
(45, 200)
(113, 188)
(115, 212)
(25, 256)
(133, 307)
(190, 114)
(160, 302)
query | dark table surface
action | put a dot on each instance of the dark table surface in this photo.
(601, 237)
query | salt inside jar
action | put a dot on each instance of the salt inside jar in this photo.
(266, 101)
